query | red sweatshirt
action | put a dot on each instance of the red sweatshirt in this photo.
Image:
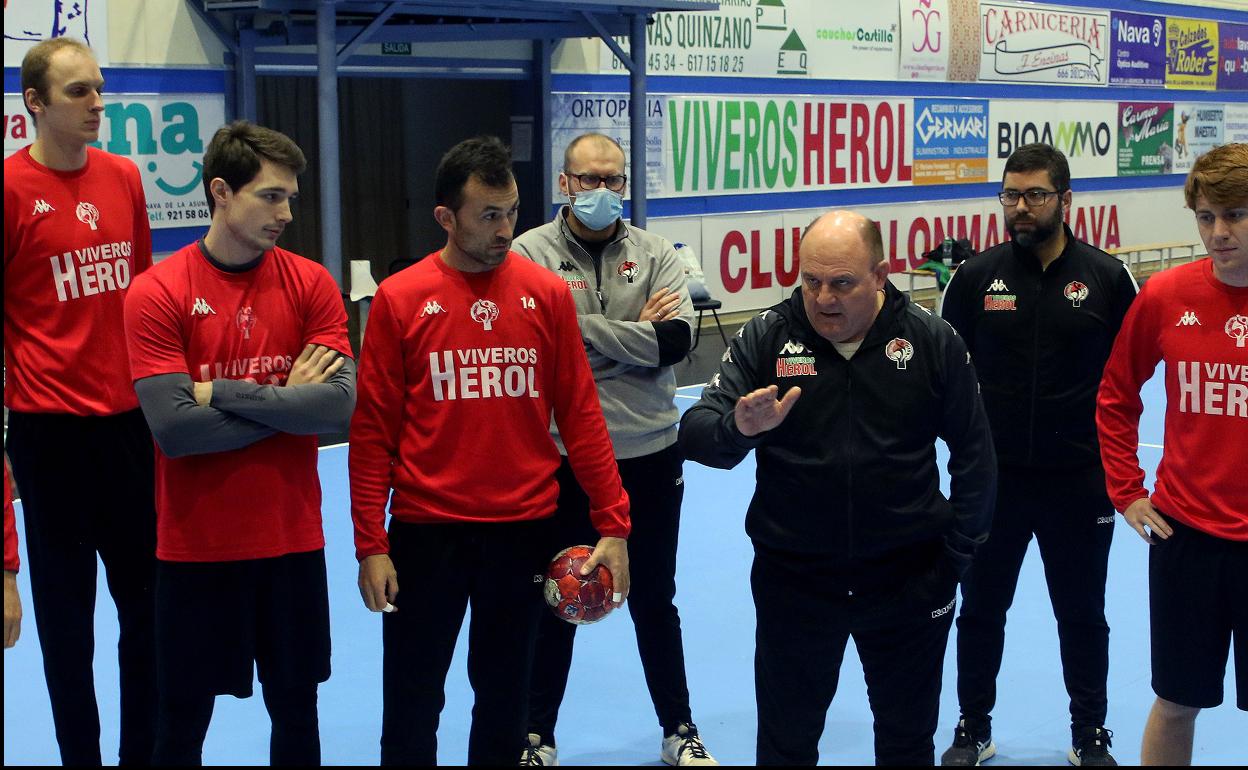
(459, 375)
(1199, 327)
(186, 316)
(73, 242)
(10, 527)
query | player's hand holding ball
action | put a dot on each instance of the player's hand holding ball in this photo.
(583, 598)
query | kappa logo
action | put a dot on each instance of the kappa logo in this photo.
(1237, 329)
(1076, 292)
(88, 214)
(41, 207)
(727, 356)
(485, 313)
(1188, 319)
(792, 348)
(944, 610)
(714, 383)
(997, 285)
(201, 307)
(567, 267)
(899, 351)
(432, 307)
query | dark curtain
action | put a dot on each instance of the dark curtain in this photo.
(372, 165)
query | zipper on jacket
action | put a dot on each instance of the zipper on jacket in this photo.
(1035, 367)
(602, 300)
(598, 278)
(849, 481)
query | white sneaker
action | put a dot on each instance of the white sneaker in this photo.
(537, 754)
(684, 747)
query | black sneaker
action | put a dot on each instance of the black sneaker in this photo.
(1090, 747)
(968, 749)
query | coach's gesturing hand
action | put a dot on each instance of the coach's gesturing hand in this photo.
(759, 411)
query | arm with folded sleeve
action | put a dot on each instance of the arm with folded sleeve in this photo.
(183, 425)
(662, 333)
(318, 397)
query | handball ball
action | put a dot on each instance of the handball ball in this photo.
(573, 597)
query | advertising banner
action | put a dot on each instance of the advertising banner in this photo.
(1145, 138)
(1031, 43)
(1235, 122)
(1233, 69)
(573, 114)
(1084, 131)
(925, 39)
(1199, 127)
(1191, 54)
(950, 141)
(30, 21)
(771, 38)
(1137, 49)
(751, 260)
(165, 135)
(730, 145)
(719, 145)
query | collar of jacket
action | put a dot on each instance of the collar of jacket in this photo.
(1032, 262)
(887, 324)
(621, 232)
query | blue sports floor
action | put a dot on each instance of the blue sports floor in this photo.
(607, 717)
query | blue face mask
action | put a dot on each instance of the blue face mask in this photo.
(598, 208)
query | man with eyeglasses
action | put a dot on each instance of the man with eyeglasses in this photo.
(635, 318)
(1039, 314)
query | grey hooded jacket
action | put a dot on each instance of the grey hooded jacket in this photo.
(631, 360)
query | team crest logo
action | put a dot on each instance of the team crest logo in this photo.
(88, 214)
(1237, 329)
(485, 313)
(899, 351)
(628, 269)
(1075, 292)
(245, 320)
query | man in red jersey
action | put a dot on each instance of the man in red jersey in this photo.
(240, 357)
(75, 236)
(12, 600)
(1195, 318)
(467, 355)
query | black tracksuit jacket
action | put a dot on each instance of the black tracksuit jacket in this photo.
(1040, 340)
(851, 473)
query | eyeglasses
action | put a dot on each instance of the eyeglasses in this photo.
(615, 182)
(1034, 196)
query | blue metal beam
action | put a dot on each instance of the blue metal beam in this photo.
(273, 63)
(218, 30)
(327, 110)
(637, 119)
(245, 68)
(447, 33)
(366, 33)
(543, 150)
(624, 58)
(527, 9)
